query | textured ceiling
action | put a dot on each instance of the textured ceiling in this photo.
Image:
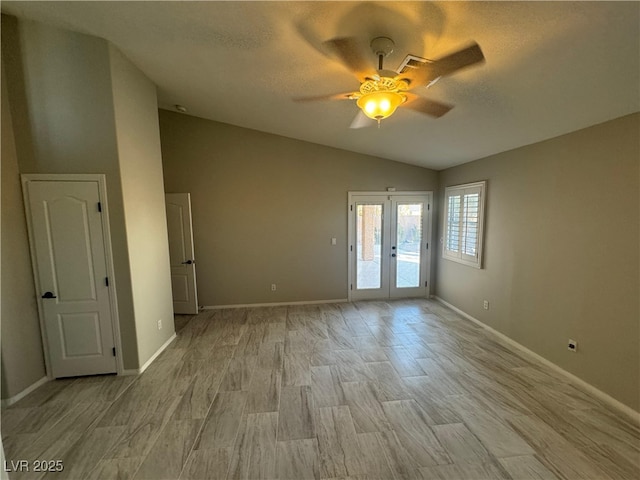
(551, 67)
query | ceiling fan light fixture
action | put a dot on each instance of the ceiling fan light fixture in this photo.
(379, 97)
(380, 105)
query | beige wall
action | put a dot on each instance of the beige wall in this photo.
(22, 360)
(561, 258)
(62, 106)
(265, 208)
(79, 106)
(561, 252)
(136, 120)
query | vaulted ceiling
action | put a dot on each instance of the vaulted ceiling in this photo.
(551, 67)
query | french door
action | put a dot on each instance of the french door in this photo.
(389, 239)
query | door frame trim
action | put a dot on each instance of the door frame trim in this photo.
(101, 180)
(351, 233)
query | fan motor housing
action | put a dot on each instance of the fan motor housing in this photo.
(384, 84)
(382, 46)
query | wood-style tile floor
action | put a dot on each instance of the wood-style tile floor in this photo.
(371, 390)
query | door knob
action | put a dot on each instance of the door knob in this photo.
(188, 262)
(49, 295)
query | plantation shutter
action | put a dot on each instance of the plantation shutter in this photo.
(463, 223)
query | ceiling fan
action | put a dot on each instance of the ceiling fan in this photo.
(382, 92)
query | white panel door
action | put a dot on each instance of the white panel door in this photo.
(183, 267)
(71, 273)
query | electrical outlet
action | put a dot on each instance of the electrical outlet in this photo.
(572, 346)
(159, 324)
(485, 304)
(273, 287)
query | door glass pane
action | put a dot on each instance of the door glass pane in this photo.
(408, 241)
(368, 243)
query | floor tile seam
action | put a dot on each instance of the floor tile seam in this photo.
(93, 427)
(154, 442)
(69, 411)
(196, 438)
(191, 450)
(489, 453)
(244, 415)
(622, 424)
(566, 437)
(124, 390)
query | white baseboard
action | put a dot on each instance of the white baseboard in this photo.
(10, 401)
(276, 304)
(620, 407)
(138, 371)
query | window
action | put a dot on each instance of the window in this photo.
(463, 222)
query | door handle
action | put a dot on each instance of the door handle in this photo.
(188, 262)
(49, 295)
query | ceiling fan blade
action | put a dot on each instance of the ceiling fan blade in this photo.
(346, 48)
(426, 106)
(315, 98)
(431, 70)
(459, 60)
(362, 121)
(420, 76)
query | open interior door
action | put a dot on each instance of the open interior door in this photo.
(183, 266)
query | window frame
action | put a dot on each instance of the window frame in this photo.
(457, 255)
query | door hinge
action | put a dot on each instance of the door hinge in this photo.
(106, 281)
(114, 351)
(427, 245)
(351, 286)
(425, 284)
(428, 206)
(351, 248)
(99, 207)
(351, 206)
